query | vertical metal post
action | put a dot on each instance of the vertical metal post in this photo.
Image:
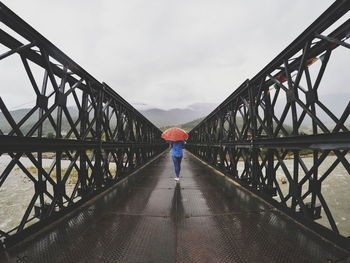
(42, 106)
(83, 172)
(59, 188)
(270, 173)
(97, 172)
(253, 128)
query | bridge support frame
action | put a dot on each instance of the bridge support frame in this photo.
(79, 138)
(258, 128)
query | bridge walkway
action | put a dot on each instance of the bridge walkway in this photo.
(154, 219)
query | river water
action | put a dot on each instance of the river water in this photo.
(17, 191)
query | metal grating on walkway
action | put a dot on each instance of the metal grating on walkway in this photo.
(158, 220)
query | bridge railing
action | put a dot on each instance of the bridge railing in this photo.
(76, 139)
(257, 135)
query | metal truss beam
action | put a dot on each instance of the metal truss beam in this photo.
(258, 129)
(90, 136)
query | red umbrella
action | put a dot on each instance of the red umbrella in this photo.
(174, 134)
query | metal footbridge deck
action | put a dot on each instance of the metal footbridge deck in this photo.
(149, 217)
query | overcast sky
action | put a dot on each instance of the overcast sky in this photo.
(169, 53)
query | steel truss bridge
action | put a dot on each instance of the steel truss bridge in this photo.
(248, 138)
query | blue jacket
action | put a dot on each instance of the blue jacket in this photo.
(176, 148)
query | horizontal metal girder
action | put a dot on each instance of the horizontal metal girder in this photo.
(338, 141)
(13, 144)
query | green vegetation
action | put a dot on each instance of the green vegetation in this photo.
(186, 126)
(50, 135)
(190, 125)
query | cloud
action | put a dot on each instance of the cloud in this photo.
(171, 53)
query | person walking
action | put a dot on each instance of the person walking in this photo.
(177, 154)
(176, 138)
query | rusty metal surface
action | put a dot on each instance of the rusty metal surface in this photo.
(159, 220)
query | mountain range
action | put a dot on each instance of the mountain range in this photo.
(177, 116)
(159, 117)
(181, 116)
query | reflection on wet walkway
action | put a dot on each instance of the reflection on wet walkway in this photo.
(155, 219)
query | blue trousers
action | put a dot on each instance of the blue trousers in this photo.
(177, 165)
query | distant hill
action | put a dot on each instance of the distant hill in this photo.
(162, 118)
(186, 126)
(190, 125)
(17, 115)
(187, 118)
(159, 117)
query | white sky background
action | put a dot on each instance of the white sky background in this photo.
(169, 53)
